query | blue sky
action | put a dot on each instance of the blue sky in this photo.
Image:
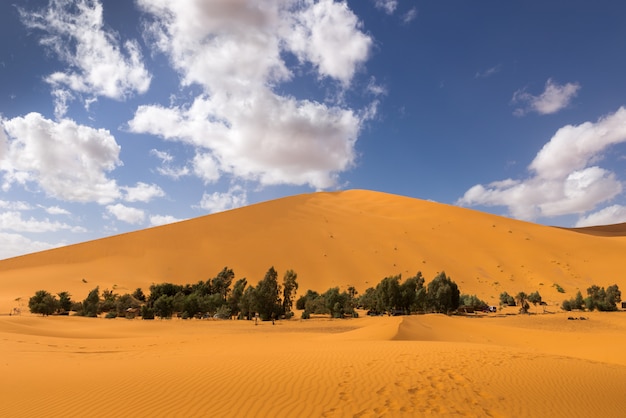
(118, 116)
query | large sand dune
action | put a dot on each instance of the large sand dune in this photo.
(334, 239)
(425, 365)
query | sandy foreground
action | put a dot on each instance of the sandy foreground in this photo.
(423, 365)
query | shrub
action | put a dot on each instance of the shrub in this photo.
(111, 315)
(558, 288)
(567, 305)
(506, 299)
(534, 298)
(473, 301)
(43, 303)
(147, 312)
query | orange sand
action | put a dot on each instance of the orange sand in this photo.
(430, 365)
(333, 239)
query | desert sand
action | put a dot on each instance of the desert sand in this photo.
(354, 237)
(421, 365)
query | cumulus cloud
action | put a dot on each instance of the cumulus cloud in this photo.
(98, 64)
(219, 202)
(565, 178)
(126, 214)
(16, 244)
(157, 220)
(554, 98)
(13, 221)
(142, 192)
(610, 215)
(55, 210)
(67, 160)
(240, 125)
(18, 206)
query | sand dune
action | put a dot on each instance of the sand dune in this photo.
(332, 239)
(428, 365)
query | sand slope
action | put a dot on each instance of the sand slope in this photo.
(333, 239)
(428, 365)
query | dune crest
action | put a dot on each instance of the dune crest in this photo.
(353, 237)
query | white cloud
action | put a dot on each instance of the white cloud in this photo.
(240, 126)
(206, 167)
(55, 210)
(328, 35)
(13, 245)
(554, 98)
(166, 168)
(12, 221)
(126, 213)
(610, 215)
(409, 16)
(565, 176)
(61, 98)
(142, 192)
(219, 202)
(68, 161)
(98, 65)
(157, 220)
(18, 206)
(388, 6)
(488, 72)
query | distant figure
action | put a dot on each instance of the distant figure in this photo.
(256, 319)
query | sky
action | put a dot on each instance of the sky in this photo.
(117, 116)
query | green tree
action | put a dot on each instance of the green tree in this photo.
(522, 300)
(388, 296)
(163, 306)
(248, 303)
(163, 289)
(290, 287)
(302, 300)
(221, 283)
(443, 294)
(91, 303)
(506, 299)
(138, 295)
(43, 303)
(268, 302)
(65, 301)
(108, 301)
(234, 300)
(367, 300)
(534, 298)
(473, 301)
(410, 293)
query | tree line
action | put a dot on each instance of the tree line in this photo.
(218, 297)
(213, 297)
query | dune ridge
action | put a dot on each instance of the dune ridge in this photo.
(495, 365)
(353, 237)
